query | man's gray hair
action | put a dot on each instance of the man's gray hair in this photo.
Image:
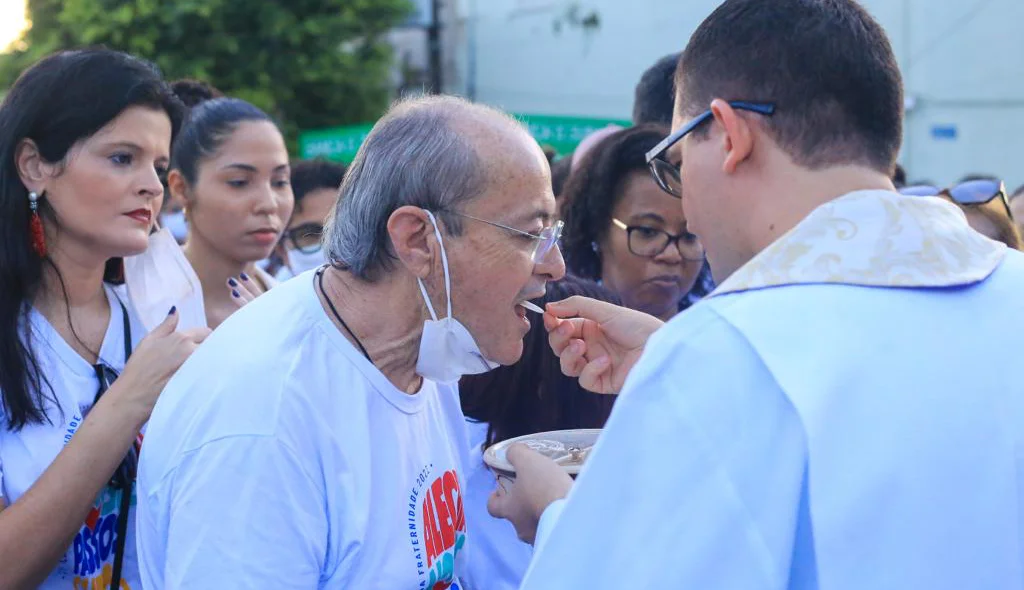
(413, 156)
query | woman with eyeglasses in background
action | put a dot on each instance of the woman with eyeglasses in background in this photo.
(623, 230)
(85, 137)
(984, 203)
(315, 184)
(230, 166)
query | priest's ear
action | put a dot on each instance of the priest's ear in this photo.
(412, 237)
(737, 137)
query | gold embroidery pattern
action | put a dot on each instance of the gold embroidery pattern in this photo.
(877, 239)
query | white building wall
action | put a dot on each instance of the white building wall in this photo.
(963, 64)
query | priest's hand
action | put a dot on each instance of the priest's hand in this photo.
(597, 341)
(539, 482)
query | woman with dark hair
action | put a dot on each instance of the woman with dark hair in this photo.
(85, 137)
(621, 229)
(230, 167)
(985, 204)
(530, 396)
(190, 92)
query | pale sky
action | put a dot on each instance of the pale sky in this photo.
(12, 21)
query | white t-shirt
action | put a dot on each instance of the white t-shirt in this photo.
(280, 457)
(497, 558)
(26, 454)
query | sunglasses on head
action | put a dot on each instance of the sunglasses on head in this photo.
(971, 193)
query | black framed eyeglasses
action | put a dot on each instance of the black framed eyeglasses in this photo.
(305, 238)
(971, 193)
(649, 242)
(665, 173)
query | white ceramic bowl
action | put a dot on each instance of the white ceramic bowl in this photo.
(568, 448)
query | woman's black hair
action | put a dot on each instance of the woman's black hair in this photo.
(533, 395)
(61, 100)
(560, 171)
(208, 125)
(193, 92)
(594, 189)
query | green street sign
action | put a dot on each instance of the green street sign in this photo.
(562, 134)
(339, 143)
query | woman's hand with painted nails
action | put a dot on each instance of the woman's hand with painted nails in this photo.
(243, 289)
(597, 341)
(155, 361)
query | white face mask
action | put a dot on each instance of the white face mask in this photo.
(175, 222)
(447, 349)
(299, 262)
(161, 278)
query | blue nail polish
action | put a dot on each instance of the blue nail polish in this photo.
(234, 293)
(244, 276)
(174, 309)
(232, 282)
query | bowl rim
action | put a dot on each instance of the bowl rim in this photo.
(500, 465)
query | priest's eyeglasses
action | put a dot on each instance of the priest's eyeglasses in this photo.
(665, 173)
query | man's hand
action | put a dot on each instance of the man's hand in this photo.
(539, 482)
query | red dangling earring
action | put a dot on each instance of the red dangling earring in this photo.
(35, 226)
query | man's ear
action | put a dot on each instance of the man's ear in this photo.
(412, 233)
(737, 136)
(33, 169)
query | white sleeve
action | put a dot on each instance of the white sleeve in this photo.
(547, 523)
(695, 482)
(240, 512)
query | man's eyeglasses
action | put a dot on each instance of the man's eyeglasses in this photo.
(649, 242)
(305, 238)
(543, 242)
(667, 174)
(970, 193)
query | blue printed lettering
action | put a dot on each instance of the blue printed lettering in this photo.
(79, 552)
(104, 537)
(88, 560)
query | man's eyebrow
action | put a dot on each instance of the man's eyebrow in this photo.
(543, 215)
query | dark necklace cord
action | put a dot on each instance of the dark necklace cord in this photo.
(330, 304)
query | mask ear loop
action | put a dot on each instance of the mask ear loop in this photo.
(447, 277)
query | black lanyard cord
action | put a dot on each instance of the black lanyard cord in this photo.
(124, 477)
(330, 304)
